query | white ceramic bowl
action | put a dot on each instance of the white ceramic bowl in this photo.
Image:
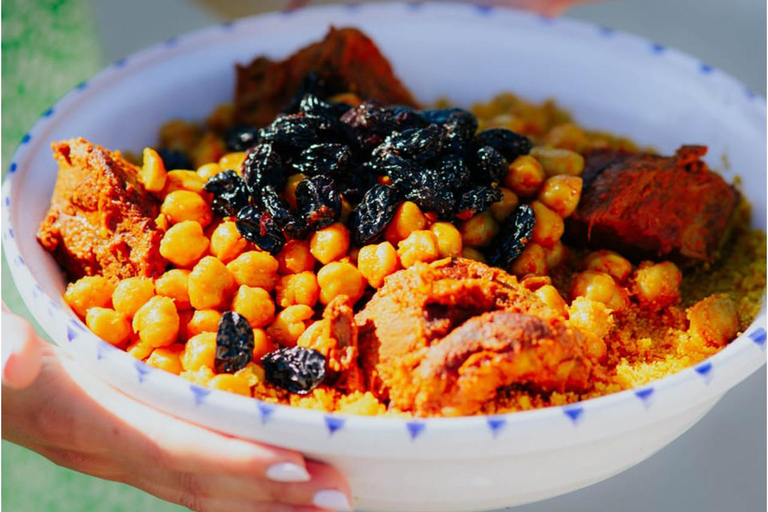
(609, 81)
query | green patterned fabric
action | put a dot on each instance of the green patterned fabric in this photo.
(49, 46)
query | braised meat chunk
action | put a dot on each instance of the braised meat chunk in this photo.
(649, 206)
(440, 339)
(101, 220)
(345, 61)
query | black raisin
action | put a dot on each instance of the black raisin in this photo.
(354, 183)
(402, 171)
(489, 166)
(234, 343)
(476, 200)
(313, 84)
(453, 171)
(329, 159)
(297, 369)
(258, 227)
(295, 132)
(241, 137)
(229, 191)
(318, 201)
(371, 123)
(510, 144)
(370, 218)
(441, 115)
(460, 128)
(263, 166)
(514, 234)
(313, 106)
(282, 215)
(433, 194)
(421, 144)
(174, 159)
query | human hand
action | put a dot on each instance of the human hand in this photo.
(53, 407)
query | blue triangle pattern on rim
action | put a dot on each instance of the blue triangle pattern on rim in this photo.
(574, 413)
(266, 410)
(415, 428)
(142, 369)
(71, 332)
(496, 424)
(103, 349)
(644, 394)
(758, 336)
(704, 369)
(333, 423)
(200, 393)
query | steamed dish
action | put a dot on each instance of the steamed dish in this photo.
(326, 242)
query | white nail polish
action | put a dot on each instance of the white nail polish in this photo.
(332, 499)
(12, 336)
(287, 472)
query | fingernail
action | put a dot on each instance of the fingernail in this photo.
(287, 472)
(12, 336)
(332, 499)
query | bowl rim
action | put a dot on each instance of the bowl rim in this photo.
(740, 350)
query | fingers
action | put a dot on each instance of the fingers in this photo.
(20, 352)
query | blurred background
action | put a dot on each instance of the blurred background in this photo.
(48, 46)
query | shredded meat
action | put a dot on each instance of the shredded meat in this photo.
(345, 61)
(101, 220)
(440, 339)
(650, 206)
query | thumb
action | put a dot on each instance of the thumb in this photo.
(21, 357)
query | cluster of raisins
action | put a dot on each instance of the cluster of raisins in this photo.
(373, 157)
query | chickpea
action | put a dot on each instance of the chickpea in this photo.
(591, 316)
(330, 243)
(226, 242)
(210, 284)
(533, 260)
(199, 352)
(473, 254)
(203, 320)
(375, 262)
(549, 227)
(255, 304)
(182, 180)
(167, 358)
(233, 161)
(551, 297)
(254, 268)
(555, 254)
(561, 194)
(289, 324)
(479, 230)
(209, 149)
(295, 257)
(231, 383)
(500, 210)
(557, 161)
(420, 246)
(301, 288)
(449, 243)
(174, 284)
(222, 118)
(207, 171)
(162, 222)
(152, 174)
(184, 243)
(139, 349)
(339, 278)
(407, 219)
(657, 285)
(567, 136)
(600, 287)
(524, 176)
(262, 345)
(109, 325)
(88, 292)
(181, 205)
(157, 322)
(290, 188)
(132, 293)
(611, 263)
(715, 320)
(179, 135)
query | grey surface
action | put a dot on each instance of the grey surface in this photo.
(720, 464)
